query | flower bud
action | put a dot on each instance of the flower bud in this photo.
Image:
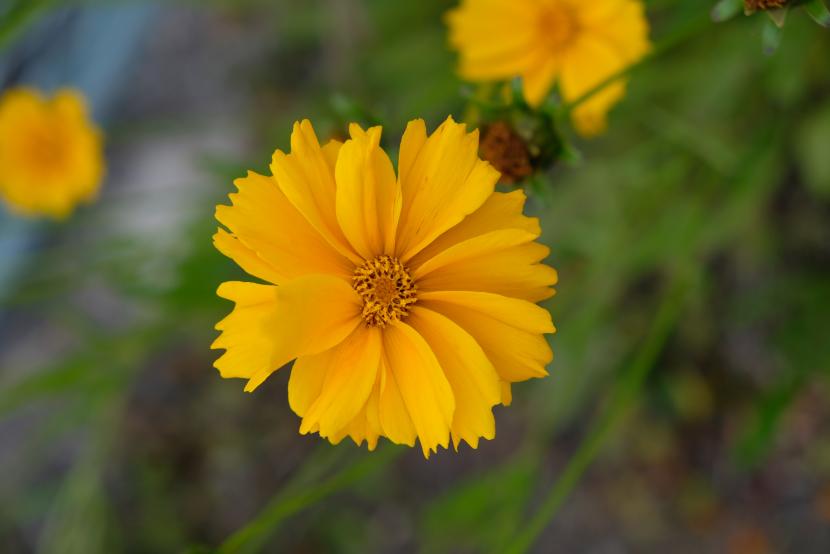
(755, 5)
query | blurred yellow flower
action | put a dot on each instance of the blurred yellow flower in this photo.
(575, 43)
(51, 154)
(407, 301)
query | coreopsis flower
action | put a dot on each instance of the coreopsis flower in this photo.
(408, 302)
(576, 44)
(51, 154)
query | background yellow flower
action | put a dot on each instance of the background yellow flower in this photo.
(408, 302)
(50, 152)
(575, 43)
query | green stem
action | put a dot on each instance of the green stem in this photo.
(625, 393)
(681, 35)
(18, 17)
(254, 535)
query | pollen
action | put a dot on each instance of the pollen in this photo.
(386, 288)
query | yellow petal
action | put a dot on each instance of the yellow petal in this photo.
(71, 104)
(495, 40)
(365, 425)
(474, 381)
(306, 380)
(356, 429)
(499, 211)
(510, 331)
(614, 38)
(372, 411)
(305, 386)
(351, 372)
(271, 326)
(307, 180)
(422, 384)
(443, 183)
(247, 258)
(244, 334)
(591, 117)
(538, 80)
(413, 139)
(506, 394)
(368, 194)
(267, 224)
(622, 23)
(511, 272)
(330, 151)
(392, 413)
(590, 63)
(475, 247)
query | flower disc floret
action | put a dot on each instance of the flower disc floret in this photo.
(386, 288)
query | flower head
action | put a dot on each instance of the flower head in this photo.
(407, 301)
(51, 155)
(575, 43)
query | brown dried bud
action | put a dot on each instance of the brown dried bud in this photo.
(506, 151)
(755, 5)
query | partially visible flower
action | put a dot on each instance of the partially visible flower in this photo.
(777, 11)
(520, 142)
(576, 43)
(754, 5)
(51, 154)
(507, 151)
(407, 301)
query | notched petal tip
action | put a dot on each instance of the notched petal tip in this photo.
(238, 181)
(223, 290)
(255, 381)
(417, 124)
(450, 120)
(356, 131)
(277, 157)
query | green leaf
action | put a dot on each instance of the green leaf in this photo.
(482, 510)
(19, 15)
(624, 393)
(779, 17)
(726, 9)
(771, 37)
(819, 12)
(305, 492)
(812, 143)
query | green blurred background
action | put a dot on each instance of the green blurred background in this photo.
(688, 407)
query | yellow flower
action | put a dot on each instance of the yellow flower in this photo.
(51, 155)
(407, 301)
(575, 43)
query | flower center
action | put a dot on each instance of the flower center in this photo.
(387, 290)
(558, 26)
(43, 151)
